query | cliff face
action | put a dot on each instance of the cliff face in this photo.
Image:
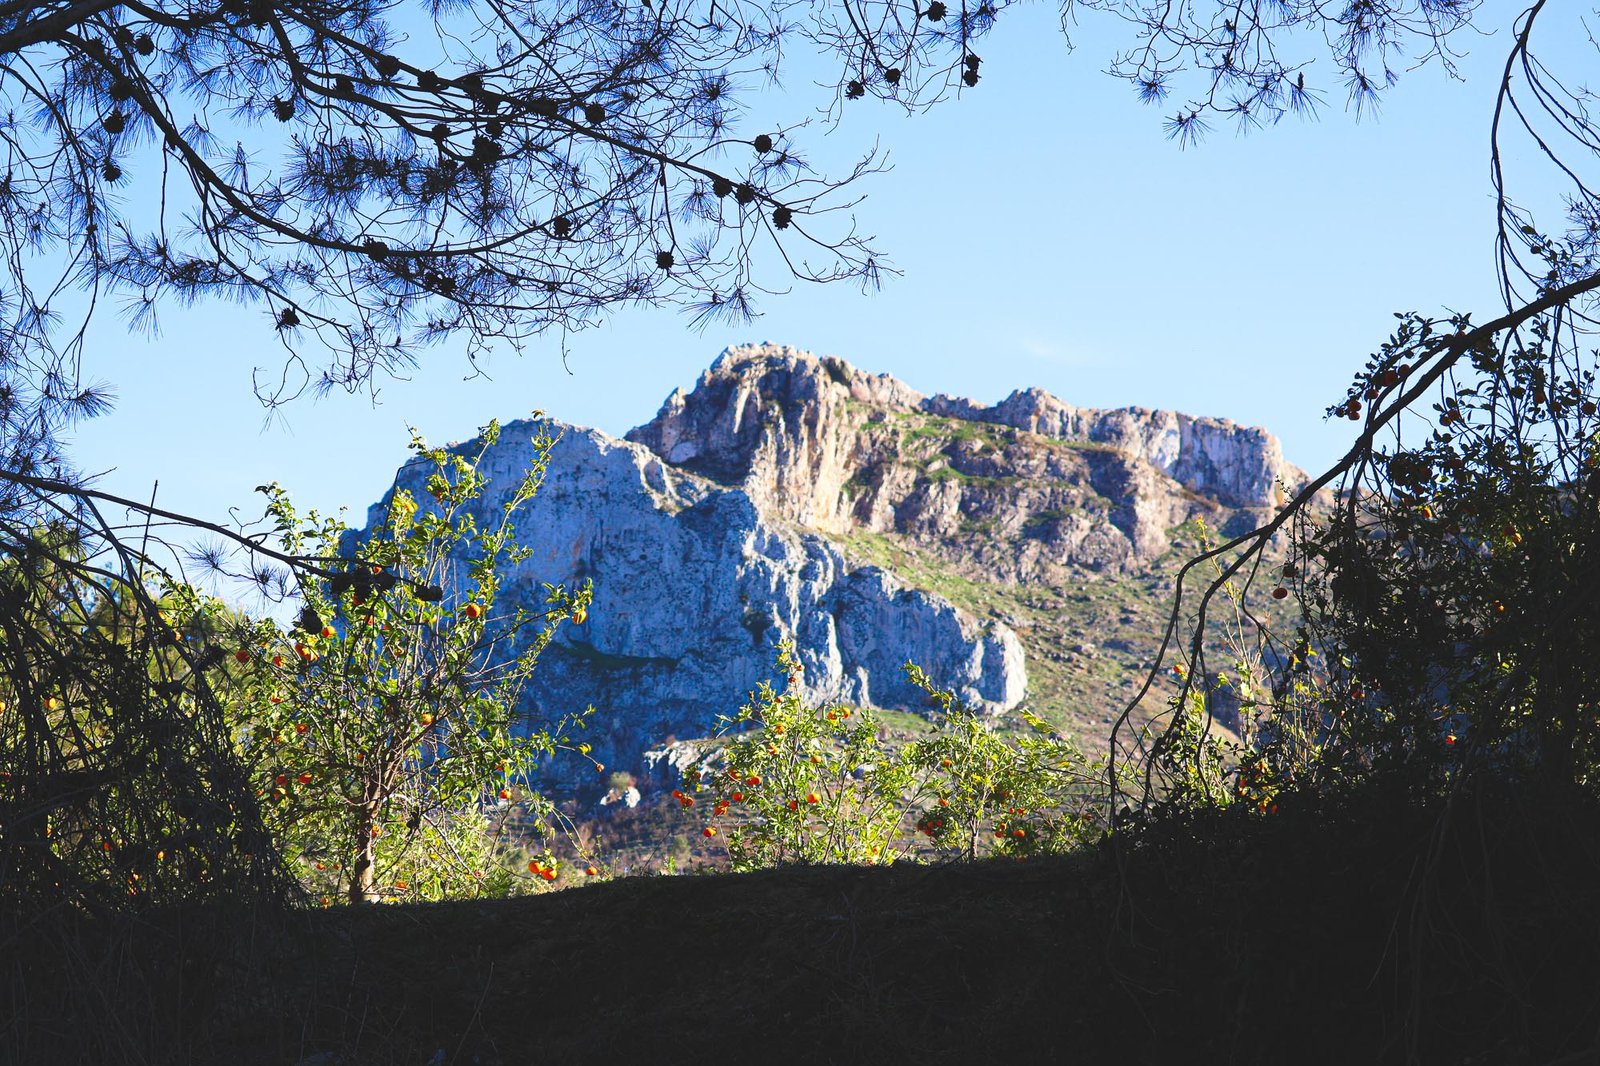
(693, 587)
(790, 496)
(1024, 490)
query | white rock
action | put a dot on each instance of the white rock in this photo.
(709, 532)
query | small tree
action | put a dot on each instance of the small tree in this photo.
(382, 725)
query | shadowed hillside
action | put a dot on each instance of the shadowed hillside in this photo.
(1370, 932)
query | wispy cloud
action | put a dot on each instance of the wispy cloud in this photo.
(1053, 352)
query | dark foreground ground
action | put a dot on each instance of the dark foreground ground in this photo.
(1370, 934)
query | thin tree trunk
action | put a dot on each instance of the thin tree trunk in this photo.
(363, 875)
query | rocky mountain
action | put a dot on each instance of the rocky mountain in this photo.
(1014, 551)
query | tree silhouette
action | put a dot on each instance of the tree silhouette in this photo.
(1450, 581)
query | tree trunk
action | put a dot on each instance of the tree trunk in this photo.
(364, 872)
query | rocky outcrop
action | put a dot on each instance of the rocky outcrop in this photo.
(1022, 490)
(694, 586)
(743, 513)
(1237, 466)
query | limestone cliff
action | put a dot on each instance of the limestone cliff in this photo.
(693, 587)
(788, 495)
(1023, 491)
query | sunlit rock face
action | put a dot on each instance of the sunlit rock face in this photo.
(1016, 490)
(731, 521)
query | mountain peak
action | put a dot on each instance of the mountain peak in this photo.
(798, 431)
(791, 496)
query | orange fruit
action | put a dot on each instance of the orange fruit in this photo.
(473, 611)
(328, 632)
(242, 655)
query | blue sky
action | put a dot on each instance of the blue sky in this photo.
(1050, 236)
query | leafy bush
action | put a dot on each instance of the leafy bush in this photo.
(805, 784)
(382, 726)
(118, 785)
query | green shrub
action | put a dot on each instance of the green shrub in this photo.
(382, 727)
(823, 784)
